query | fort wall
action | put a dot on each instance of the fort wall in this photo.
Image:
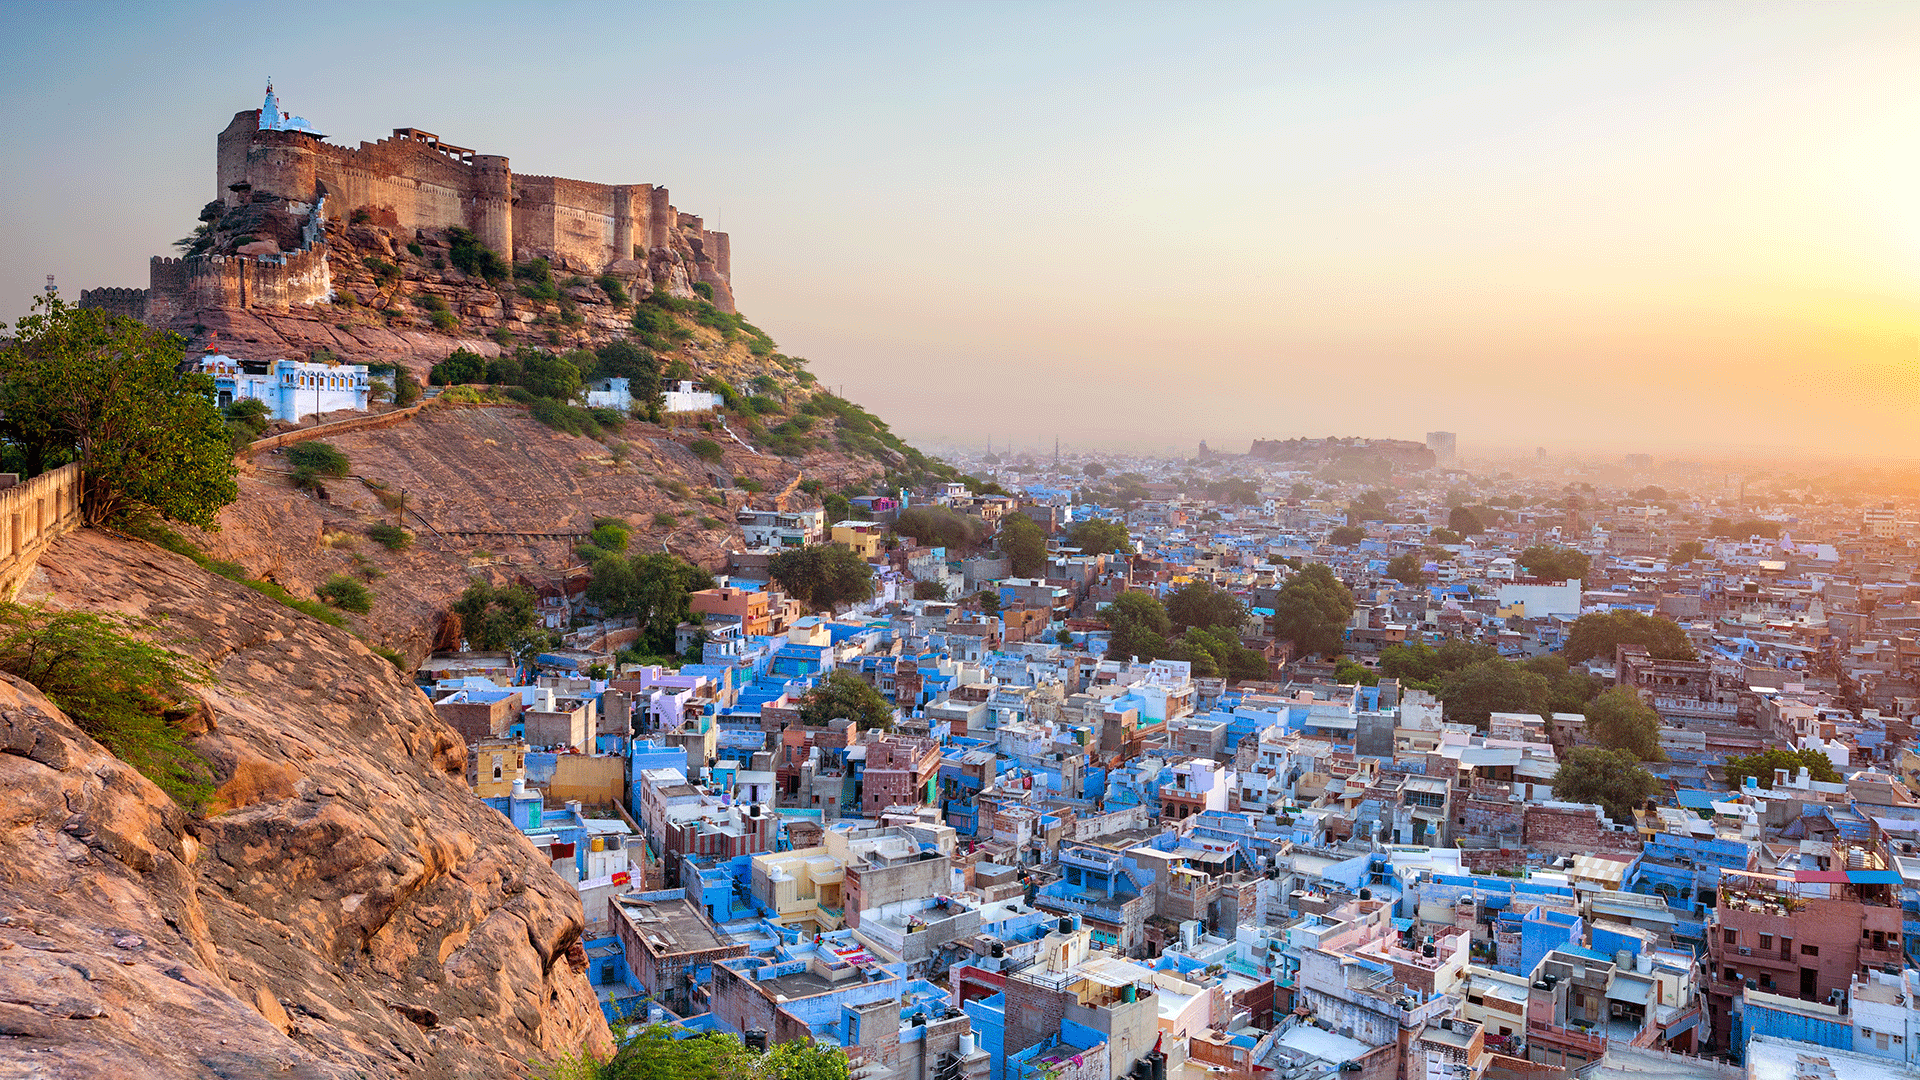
(131, 303)
(180, 286)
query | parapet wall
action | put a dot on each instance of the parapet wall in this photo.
(129, 302)
(271, 284)
(34, 514)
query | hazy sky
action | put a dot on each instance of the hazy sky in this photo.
(1637, 226)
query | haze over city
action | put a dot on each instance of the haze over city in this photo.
(1605, 227)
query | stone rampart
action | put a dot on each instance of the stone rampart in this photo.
(33, 514)
(131, 303)
(337, 427)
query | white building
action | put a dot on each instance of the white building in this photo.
(781, 528)
(1540, 601)
(291, 388)
(614, 393)
(686, 396)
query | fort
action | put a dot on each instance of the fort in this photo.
(280, 189)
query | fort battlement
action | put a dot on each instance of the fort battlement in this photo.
(412, 183)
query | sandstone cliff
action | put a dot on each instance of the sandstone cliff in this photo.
(345, 909)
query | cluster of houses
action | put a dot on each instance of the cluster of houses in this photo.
(1052, 862)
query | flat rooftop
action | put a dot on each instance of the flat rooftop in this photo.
(671, 926)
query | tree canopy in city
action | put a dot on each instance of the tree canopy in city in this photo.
(1312, 610)
(657, 1053)
(844, 695)
(1472, 693)
(1555, 563)
(496, 618)
(1217, 653)
(1025, 545)
(1619, 720)
(823, 576)
(652, 586)
(79, 384)
(1762, 764)
(1466, 521)
(1346, 535)
(1100, 535)
(1202, 604)
(1687, 552)
(940, 526)
(1613, 779)
(1138, 625)
(1406, 568)
(1597, 633)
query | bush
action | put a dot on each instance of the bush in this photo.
(615, 291)
(414, 249)
(472, 257)
(705, 290)
(318, 458)
(116, 687)
(346, 594)
(462, 366)
(444, 320)
(384, 272)
(430, 302)
(502, 337)
(711, 523)
(393, 537)
(665, 519)
(706, 450)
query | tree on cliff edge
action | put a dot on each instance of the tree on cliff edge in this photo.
(79, 384)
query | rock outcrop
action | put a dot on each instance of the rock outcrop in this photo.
(345, 908)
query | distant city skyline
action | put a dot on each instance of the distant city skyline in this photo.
(1600, 227)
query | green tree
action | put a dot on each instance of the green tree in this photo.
(823, 576)
(1466, 521)
(1346, 535)
(844, 695)
(940, 526)
(1619, 720)
(1555, 563)
(1100, 535)
(496, 618)
(1347, 673)
(929, 590)
(1568, 688)
(549, 376)
(460, 367)
(1445, 537)
(406, 388)
(641, 369)
(79, 384)
(614, 589)
(662, 586)
(1217, 652)
(988, 601)
(1613, 779)
(346, 593)
(1138, 626)
(1598, 633)
(1301, 490)
(837, 507)
(1312, 610)
(1200, 604)
(1762, 764)
(1470, 694)
(1025, 544)
(1687, 552)
(1407, 568)
(1094, 469)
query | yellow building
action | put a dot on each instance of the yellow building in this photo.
(864, 537)
(802, 887)
(497, 764)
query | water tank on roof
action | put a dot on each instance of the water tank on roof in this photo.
(1066, 925)
(599, 844)
(1366, 894)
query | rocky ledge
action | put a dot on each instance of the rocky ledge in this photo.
(345, 908)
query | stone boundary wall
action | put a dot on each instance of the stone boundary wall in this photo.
(336, 427)
(33, 514)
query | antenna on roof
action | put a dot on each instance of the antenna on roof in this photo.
(51, 287)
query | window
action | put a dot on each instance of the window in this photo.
(1809, 950)
(1733, 937)
(1732, 975)
(1766, 981)
(1766, 941)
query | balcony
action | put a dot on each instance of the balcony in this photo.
(1566, 1039)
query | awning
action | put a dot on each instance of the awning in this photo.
(1874, 877)
(1829, 877)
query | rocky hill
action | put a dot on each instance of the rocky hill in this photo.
(345, 908)
(491, 491)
